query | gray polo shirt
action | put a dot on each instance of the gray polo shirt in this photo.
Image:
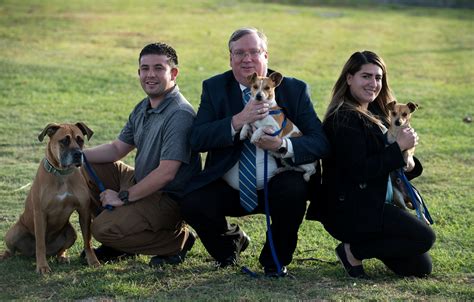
(162, 133)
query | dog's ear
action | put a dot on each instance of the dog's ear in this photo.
(50, 129)
(85, 130)
(276, 78)
(412, 106)
(252, 77)
(391, 105)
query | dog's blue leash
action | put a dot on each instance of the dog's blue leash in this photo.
(97, 181)
(418, 201)
(267, 206)
(267, 213)
(265, 194)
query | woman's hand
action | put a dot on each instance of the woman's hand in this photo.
(407, 138)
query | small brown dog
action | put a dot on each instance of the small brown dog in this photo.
(58, 189)
(400, 115)
(263, 88)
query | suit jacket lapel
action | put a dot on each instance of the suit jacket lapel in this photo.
(235, 96)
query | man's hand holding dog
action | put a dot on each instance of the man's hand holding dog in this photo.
(110, 197)
(269, 142)
(253, 111)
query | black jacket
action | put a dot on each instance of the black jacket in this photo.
(355, 175)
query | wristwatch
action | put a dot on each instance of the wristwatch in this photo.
(283, 149)
(123, 196)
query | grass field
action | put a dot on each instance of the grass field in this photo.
(68, 61)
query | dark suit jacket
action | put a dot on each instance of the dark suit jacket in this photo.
(355, 174)
(222, 98)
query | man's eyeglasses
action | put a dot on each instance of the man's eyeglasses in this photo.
(240, 54)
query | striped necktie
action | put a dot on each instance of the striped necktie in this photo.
(247, 171)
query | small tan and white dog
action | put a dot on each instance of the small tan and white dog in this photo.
(400, 115)
(263, 88)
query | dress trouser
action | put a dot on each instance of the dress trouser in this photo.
(402, 245)
(150, 226)
(206, 209)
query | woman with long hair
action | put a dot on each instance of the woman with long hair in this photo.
(359, 210)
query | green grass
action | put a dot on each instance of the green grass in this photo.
(77, 61)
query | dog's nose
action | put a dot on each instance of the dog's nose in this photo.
(77, 156)
(397, 123)
(258, 97)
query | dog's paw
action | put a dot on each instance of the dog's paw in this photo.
(63, 259)
(43, 269)
(307, 176)
(244, 132)
(5, 255)
(410, 164)
(94, 263)
(255, 137)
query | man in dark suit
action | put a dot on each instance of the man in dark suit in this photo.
(214, 193)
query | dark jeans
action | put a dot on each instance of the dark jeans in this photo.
(402, 245)
(206, 209)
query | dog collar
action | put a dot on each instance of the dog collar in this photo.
(50, 169)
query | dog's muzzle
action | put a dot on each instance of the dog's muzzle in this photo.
(77, 157)
(72, 157)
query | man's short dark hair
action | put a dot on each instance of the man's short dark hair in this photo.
(161, 49)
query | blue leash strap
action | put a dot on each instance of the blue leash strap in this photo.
(245, 269)
(97, 181)
(415, 196)
(425, 208)
(267, 213)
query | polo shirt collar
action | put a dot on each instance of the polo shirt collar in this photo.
(163, 104)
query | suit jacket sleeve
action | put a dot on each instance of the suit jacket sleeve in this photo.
(293, 96)
(212, 126)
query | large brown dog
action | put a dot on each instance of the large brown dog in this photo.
(58, 190)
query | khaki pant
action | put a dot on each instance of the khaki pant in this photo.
(150, 226)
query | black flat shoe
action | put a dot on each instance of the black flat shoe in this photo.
(157, 261)
(356, 271)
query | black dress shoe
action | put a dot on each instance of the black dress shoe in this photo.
(157, 261)
(355, 271)
(272, 272)
(232, 260)
(108, 254)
